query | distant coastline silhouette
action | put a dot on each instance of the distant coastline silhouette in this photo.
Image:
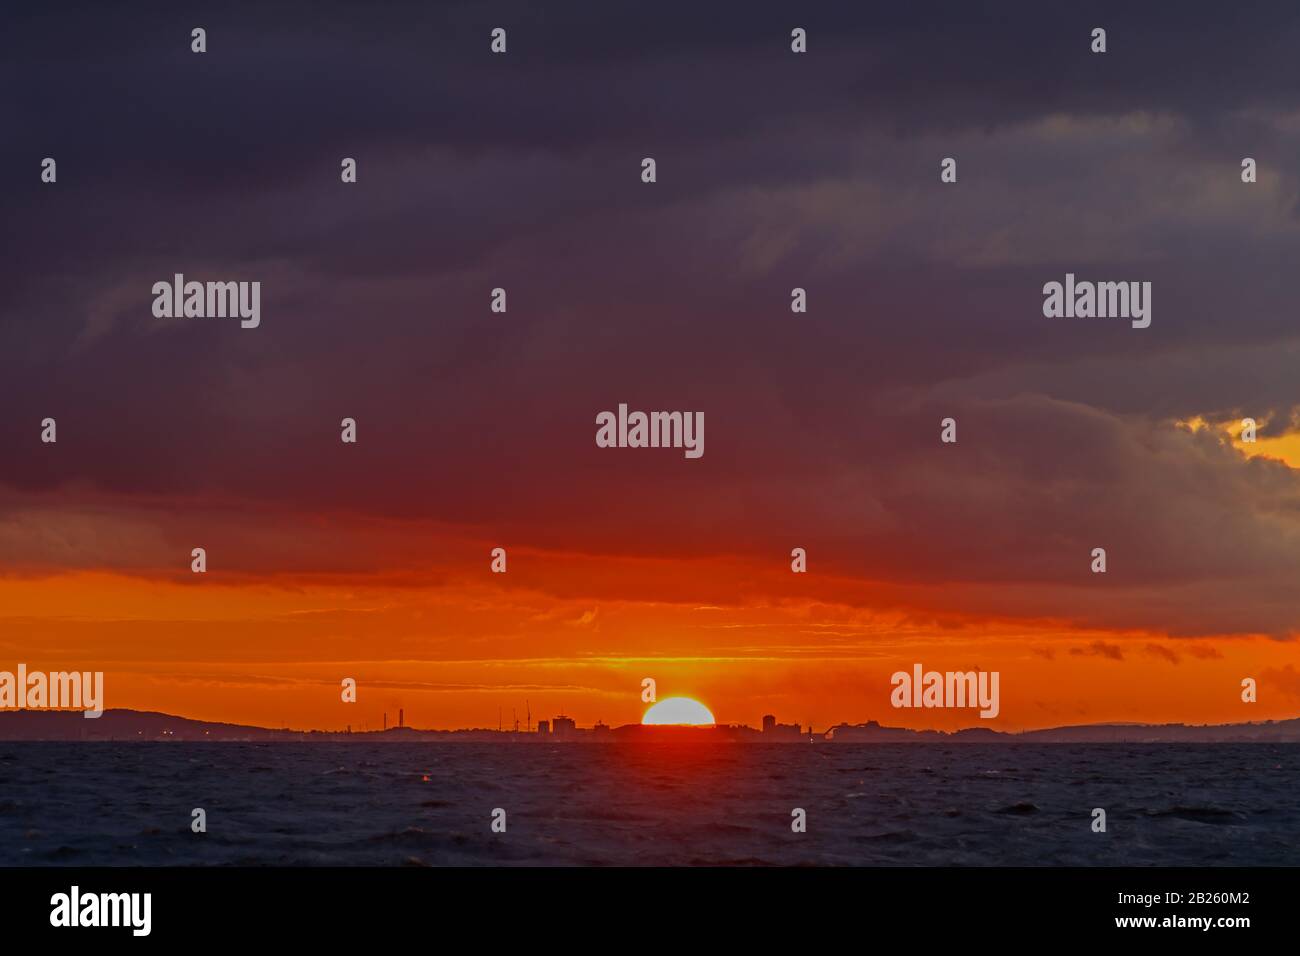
(123, 724)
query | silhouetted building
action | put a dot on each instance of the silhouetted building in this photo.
(563, 726)
(601, 729)
(774, 731)
(543, 726)
(401, 717)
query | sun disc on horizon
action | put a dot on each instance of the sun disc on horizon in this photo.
(679, 711)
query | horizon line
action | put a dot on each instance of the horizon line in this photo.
(787, 731)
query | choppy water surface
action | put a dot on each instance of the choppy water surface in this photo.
(431, 804)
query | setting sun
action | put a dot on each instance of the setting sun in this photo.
(678, 711)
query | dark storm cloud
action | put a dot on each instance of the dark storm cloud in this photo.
(117, 92)
(775, 170)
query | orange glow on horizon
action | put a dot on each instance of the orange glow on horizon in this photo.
(459, 654)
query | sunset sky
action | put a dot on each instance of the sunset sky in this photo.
(476, 430)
